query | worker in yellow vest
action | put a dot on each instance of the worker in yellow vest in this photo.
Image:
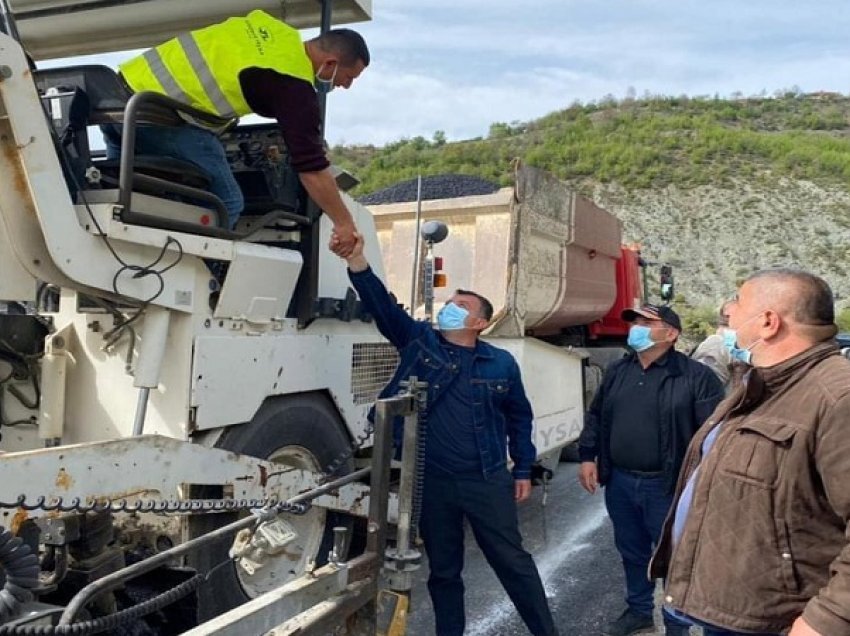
(252, 64)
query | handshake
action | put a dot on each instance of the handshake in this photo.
(348, 244)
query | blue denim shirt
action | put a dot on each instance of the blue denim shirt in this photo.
(502, 416)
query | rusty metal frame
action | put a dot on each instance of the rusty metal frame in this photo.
(336, 593)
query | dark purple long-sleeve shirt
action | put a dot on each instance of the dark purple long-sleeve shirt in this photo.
(293, 103)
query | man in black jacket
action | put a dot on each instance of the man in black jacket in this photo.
(635, 434)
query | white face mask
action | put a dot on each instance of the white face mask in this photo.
(327, 83)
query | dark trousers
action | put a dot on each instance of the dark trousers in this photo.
(637, 506)
(489, 507)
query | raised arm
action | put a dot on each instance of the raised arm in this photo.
(392, 321)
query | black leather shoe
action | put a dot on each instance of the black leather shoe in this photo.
(630, 623)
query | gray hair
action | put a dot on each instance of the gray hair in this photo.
(803, 297)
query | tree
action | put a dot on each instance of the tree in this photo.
(499, 130)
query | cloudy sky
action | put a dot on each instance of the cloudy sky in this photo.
(460, 65)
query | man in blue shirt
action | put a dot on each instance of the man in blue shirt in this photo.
(477, 414)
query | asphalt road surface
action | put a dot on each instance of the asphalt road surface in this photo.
(573, 545)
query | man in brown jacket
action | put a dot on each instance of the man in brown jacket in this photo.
(758, 539)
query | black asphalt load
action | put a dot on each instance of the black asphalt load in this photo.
(443, 186)
(571, 541)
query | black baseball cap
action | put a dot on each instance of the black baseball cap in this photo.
(654, 312)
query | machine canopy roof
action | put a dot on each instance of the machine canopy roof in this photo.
(62, 28)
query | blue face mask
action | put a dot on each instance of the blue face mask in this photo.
(640, 338)
(730, 341)
(452, 317)
(327, 83)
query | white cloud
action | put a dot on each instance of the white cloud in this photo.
(460, 65)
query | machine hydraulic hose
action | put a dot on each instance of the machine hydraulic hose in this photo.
(22, 569)
(112, 621)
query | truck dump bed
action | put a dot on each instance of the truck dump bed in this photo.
(544, 255)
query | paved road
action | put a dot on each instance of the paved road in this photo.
(572, 542)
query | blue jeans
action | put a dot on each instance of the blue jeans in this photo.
(489, 507)
(637, 507)
(187, 143)
(713, 630)
(716, 631)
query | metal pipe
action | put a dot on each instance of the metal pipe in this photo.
(322, 94)
(401, 560)
(376, 527)
(414, 283)
(51, 423)
(428, 282)
(8, 26)
(111, 581)
(154, 338)
(141, 411)
(408, 476)
(150, 360)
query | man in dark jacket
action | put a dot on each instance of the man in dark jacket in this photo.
(759, 542)
(477, 414)
(636, 431)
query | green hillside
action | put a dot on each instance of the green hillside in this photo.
(717, 188)
(647, 143)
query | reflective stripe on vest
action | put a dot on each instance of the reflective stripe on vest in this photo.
(202, 68)
(204, 73)
(169, 84)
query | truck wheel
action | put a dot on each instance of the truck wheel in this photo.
(303, 431)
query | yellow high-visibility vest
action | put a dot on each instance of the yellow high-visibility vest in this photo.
(201, 68)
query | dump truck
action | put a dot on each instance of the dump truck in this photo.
(554, 266)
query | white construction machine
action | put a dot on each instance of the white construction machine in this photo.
(175, 446)
(161, 433)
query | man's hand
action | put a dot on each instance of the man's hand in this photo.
(356, 261)
(522, 490)
(588, 476)
(322, 188)
(343, 240)
(802, 628)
